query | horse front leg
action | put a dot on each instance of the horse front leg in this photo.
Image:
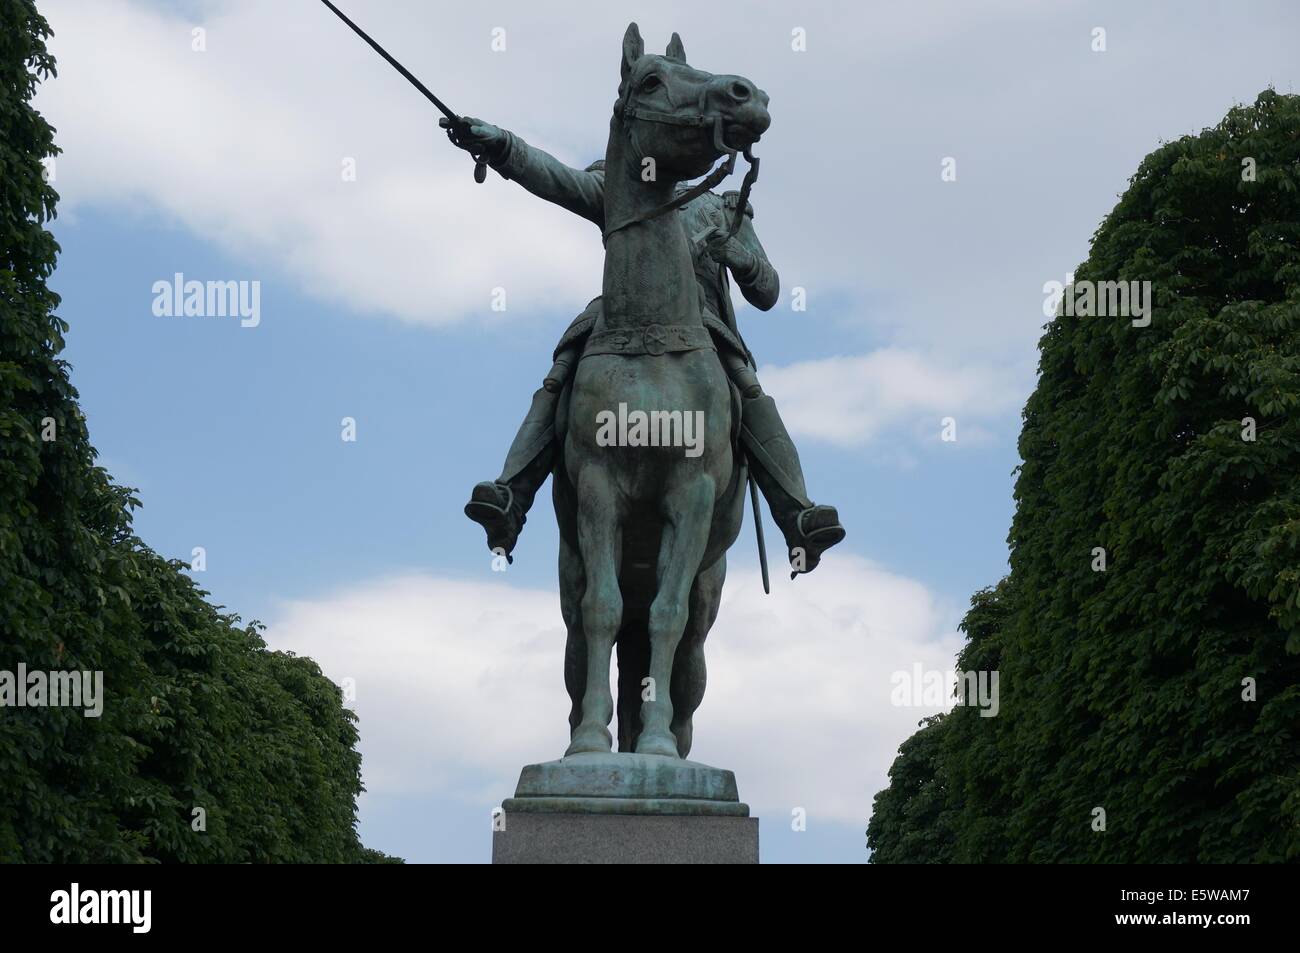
(688, 515)
(572, 585)
(689, 673)
(600, 544)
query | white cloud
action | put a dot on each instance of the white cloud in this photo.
(244, 144)
(848, 401)
(459, 683)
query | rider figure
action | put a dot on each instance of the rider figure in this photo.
(501, 506)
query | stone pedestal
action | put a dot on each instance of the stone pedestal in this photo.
(625, 839)
(622, 808)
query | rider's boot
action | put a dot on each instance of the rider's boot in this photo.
(809, 529)
(501, 506)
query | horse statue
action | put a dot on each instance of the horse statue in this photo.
(644, 523)
(643, 436)
(645, 529)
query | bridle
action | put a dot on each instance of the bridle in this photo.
(627, 112)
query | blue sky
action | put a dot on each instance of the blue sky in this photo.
(925, 301)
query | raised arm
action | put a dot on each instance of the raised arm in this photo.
(579, 191)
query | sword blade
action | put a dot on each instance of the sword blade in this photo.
(394, 64)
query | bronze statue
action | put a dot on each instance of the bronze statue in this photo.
(501, 506)
(644, 527)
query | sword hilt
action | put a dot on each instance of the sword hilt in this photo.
(456, 128)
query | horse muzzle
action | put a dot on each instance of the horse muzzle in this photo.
(743, 108)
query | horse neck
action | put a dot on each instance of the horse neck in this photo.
(649, 277)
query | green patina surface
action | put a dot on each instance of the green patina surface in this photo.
(624, 783)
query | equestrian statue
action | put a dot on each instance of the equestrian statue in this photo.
(644, 527)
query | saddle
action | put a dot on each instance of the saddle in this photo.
(578, 342)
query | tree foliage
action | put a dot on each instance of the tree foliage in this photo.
(198, 714)
(1124, 689)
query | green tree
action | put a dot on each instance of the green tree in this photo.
(1175, 448)
(202, 726)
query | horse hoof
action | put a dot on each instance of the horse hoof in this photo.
(587, 740)
(664, 744)
(683, 733)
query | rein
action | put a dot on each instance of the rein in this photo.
(751, 176)
(628, 112)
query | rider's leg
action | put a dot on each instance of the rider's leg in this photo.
(809, 529)
(501, 506)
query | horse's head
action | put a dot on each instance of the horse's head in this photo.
(682, 117)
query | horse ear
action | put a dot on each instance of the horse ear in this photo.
(675, 49)
(633, 48)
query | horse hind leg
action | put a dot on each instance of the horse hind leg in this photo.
(689, 674)
(688, 514)
(633, 664)
(600, 543)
